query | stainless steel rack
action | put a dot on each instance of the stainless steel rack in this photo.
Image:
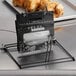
(42, 53)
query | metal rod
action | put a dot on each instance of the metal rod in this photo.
(12, 8)
(65, 50)
(46, 53)
(46, 63)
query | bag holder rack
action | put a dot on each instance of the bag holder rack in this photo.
(24, 22)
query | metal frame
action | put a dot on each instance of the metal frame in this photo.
(47, 58)
(47, 61)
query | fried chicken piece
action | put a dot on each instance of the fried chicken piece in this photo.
(56, 8)
(43, 4)
(59, 11)
(18, 3)
(37, 5)
(31, 5)
(51, 6)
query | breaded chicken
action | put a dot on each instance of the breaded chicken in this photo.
(43, 4)
(59, 11)
(18, 3)
(31, 5)
(56, 7)
(37, 5)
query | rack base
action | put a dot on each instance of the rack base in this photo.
(57, 55)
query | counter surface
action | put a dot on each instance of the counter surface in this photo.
(67, 37)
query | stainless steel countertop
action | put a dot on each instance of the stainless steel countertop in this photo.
(66, 37)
